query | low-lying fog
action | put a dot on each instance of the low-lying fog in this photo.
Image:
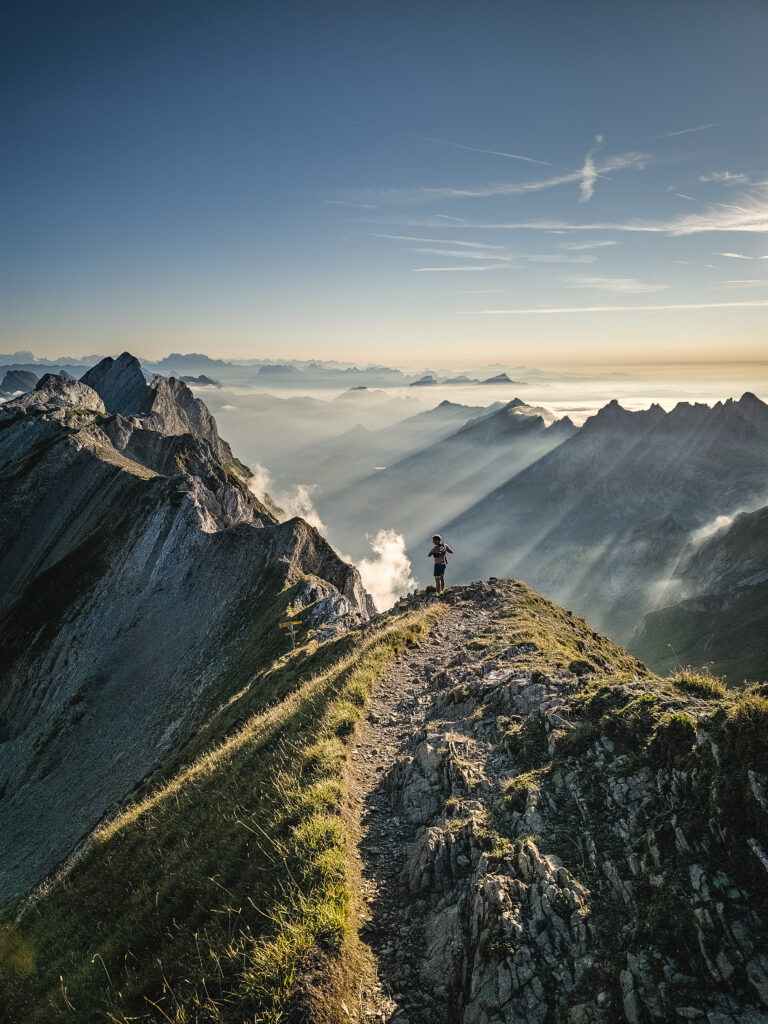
(377, 485)
(380, 466)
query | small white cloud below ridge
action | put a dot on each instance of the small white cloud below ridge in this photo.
(387, 576)
(295, 500)
(716, 525)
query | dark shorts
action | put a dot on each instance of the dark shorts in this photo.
(439, 568)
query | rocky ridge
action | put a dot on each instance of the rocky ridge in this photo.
(549, 833)
(142, 578)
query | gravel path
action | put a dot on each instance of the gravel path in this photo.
(396, 713)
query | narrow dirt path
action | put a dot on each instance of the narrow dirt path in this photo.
(390, 929)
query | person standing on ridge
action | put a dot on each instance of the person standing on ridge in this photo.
(440, 554)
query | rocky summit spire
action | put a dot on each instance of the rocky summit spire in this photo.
(119, 383)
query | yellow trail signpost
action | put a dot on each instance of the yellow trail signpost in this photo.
(290, 625)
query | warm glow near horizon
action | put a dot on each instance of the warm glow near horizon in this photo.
(584, 192)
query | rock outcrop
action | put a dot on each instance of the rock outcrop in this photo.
(51, 393)
(141, 580)
(563, 839)
(120, 383)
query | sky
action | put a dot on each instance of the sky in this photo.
(413, 183)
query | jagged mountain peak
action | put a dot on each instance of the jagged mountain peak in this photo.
(51, 393)
(564, 426)
(753, 409)
(614, 415)
(172, 408)
(750, 398)
(119, 382)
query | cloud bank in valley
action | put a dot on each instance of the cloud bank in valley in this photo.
(387, 576)
(295, 500)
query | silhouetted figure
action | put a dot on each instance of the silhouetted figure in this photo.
(440, 554)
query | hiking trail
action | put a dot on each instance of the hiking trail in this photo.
(401, 705)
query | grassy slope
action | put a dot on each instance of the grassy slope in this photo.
(209, 897)
(727, 632)
(203, 899)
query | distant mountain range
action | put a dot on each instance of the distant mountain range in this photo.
(603, 519)
(311, 373)
(355, 454)
(608, 519)
(425, 489)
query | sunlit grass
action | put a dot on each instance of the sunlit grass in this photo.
(699, 682)
(202, 901)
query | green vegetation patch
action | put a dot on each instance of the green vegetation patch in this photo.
(204, 901)
(746, 729)
(516, 790)
(527, 743)
(699, 683)
(544, 635)
(673, 739)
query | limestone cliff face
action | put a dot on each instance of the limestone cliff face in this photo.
(166, 406)
(141, 578)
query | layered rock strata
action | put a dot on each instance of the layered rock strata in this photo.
(143, 582)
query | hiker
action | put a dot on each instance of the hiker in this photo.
(440, 554)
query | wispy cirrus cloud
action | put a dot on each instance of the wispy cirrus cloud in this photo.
(438, 241)
(624, 285)
(475, 267)
(589, 172)
(585, 177)
(733, 255)
(465, 254)
(559, 257)
(550, 310)
(750, 217)
(572, 246)
(725, 177)
(476, 149)
(494, 256)
(687, 131)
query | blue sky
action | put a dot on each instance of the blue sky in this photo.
(423, 183)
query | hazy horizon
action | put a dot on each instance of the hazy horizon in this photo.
(551, 185)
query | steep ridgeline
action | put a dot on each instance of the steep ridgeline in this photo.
(715, 607)
(143, 583)
(442, 479)
(601, 522)
(336, 463)
(471, 811)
